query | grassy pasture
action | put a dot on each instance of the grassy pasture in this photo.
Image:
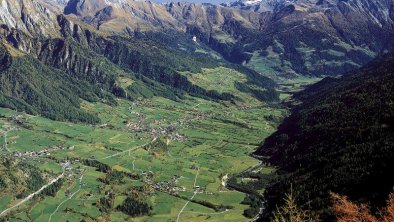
(217, 139)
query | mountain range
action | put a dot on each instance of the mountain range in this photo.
(306, 37)
(91, 61)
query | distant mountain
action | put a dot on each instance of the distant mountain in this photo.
(375, 7)
(318, 37)
(274, 37)
(340, 139)
(257, 5)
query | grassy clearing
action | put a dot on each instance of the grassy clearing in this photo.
(223, 80)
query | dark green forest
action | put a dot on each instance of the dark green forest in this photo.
(28, 85)
(340, 139)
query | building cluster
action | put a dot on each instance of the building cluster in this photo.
(42, 153)
(169, 187)
(18, 119)
(156, 132)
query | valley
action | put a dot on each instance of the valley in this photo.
(169, 151)
(129, 110)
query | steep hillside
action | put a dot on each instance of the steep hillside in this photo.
(29, 85)
(339, 139)
(96, 65)
(20, 177)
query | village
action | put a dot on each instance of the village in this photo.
(72, 169)
(157, 129)
(42, 153)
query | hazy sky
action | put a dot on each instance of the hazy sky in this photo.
(197, 1)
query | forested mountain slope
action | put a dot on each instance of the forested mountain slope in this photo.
(90, 65)
(29, 85)
(340, 139)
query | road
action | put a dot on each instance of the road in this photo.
(5, 138)
(134, 168)
(62, 175)
(254, 167)
(183, 208)
(69, 198)
(195, 193)
(250, 169)
(258, 215)
(107, 157)
(33, 194)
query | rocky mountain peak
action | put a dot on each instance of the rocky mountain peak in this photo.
(29, 16)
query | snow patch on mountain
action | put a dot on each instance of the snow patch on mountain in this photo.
(252, 2)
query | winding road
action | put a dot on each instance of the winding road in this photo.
(35, 193)
(5, 139)
(69, 198)
(61, 176)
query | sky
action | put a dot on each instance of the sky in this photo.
(196, 1)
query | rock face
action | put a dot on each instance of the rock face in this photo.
(275, 37)
(29, 16)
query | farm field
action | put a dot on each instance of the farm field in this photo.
(169, 151)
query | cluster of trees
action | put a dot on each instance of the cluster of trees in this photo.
(106, 204)
(255, 204)
(52, 189)
(35, 180)
(118, 177)
(3, 184)
(102, 167)
(135, 206)
(159, 146)
(346, 210)
(12, 173)
(217, 208)
(340, 139)
(113, 177)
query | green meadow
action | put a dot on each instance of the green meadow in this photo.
(214, 137)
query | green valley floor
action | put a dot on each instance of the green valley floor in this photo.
(176, 155)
